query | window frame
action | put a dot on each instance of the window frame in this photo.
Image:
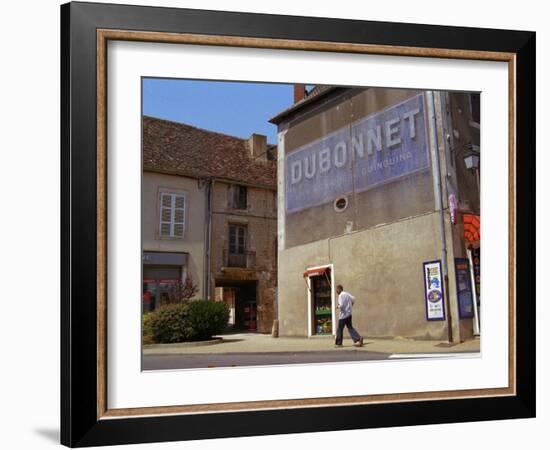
(236, 190)
(173, 196)
(472, 122)
(237, 226)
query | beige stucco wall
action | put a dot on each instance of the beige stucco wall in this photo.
(193, 239)
(391, 231)
(381, 267)
(385, 203)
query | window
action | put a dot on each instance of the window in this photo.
(237, 256)
(238, 199)
(237, 239)
(172, 215)
(475, 108)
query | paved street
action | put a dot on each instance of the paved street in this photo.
(252, 349)
(202, 360)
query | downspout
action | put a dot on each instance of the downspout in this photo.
(281, 199)
(208, 219)
(438, 194)
(209, 281)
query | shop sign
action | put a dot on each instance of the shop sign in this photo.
(453, 207)
(476, 256)
(464, 288)
(379, 148)
(434, 292)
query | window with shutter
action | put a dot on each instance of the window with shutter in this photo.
(237, 256)
(475, 107)
(172, 214)
(237, 239)
(238, 197)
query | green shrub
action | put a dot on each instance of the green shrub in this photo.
(146, 329)
(169, 323)
(188, 321)
(207, 318)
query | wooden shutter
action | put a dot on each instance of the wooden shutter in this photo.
(238, 196)
(232, 238)
(165, 214)
(172, 214)
(241, 240)
(179, 215)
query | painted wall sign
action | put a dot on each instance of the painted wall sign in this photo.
(464, 288)
(434, 292)
(377, 149)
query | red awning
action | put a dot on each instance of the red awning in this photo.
(315, 272)
(471, 228)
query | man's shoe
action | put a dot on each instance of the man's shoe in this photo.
(359, 343)
(338, 345)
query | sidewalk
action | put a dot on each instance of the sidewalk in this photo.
(265, 343)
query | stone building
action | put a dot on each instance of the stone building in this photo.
(374, 195)
(210, 212)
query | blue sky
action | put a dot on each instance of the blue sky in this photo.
(234, 108)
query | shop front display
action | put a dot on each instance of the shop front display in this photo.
(249, 316)
(161, 273)
(321, 295)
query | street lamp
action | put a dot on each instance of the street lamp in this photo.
(471, 160)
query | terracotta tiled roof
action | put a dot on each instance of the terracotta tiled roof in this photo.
(177, 148)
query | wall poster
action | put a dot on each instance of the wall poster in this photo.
(434, 293)
(464, 288)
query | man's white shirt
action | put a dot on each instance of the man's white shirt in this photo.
(345, 302)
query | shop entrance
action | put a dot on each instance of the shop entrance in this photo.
(321, 301)
(472, 240)
(162, 271)
(241, 298)
(158, 281)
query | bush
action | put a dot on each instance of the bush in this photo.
(207, 318)
(169, 323)
(146, 329)
(189, 321)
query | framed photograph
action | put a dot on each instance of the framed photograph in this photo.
(273, 224)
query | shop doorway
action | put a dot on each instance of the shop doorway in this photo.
(474, 256)
(241, 298)
(321, 301)
(473, 240)
(158, 282)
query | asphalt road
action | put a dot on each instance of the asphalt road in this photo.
(205, 360)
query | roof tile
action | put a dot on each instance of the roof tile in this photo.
(177, 148)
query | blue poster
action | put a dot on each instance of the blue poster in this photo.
(433, 290)
(464, 288)
(379, 148)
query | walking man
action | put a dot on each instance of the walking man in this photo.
(345, 303)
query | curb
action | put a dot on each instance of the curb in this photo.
(184, 344)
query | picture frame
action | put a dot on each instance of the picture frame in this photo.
(86, 28)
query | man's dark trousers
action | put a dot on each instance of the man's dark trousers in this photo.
(340, 331)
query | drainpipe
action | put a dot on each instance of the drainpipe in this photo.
(438, 193)
(280, 219)
(206, 279)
